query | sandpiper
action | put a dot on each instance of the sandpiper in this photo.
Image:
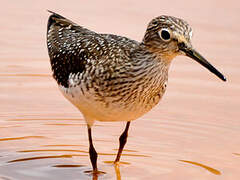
(113, 78)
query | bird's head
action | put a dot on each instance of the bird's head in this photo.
(167, 37)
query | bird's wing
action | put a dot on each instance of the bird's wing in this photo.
(74, 49)
(71, 47)
(123, 42)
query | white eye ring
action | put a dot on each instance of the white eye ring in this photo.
(165, 34)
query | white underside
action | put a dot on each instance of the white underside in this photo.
(94, 110)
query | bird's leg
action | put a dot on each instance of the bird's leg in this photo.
(92, 152)
(122, 142)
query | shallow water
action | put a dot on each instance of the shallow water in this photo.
(192, 134)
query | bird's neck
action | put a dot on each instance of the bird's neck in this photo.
(152, 60)
(151, 67)
(150, 75)
(161, 54)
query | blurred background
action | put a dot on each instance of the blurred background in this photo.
(192, 134)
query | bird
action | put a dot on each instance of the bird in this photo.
(113, 78)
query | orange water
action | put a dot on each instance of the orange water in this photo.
(194, 133)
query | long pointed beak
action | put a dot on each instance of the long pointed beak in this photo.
(200, 59)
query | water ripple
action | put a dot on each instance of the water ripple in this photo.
(23, 137)
(210, 169)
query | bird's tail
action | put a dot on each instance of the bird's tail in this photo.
(59, 20)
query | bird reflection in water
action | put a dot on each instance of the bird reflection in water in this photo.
(117, 172)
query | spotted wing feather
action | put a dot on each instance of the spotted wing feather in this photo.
(73, 48)
(70, 47)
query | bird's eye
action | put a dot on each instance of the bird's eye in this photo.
(165, 35)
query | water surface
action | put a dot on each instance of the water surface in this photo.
(192, 134)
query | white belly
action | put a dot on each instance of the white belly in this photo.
(94, 109)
